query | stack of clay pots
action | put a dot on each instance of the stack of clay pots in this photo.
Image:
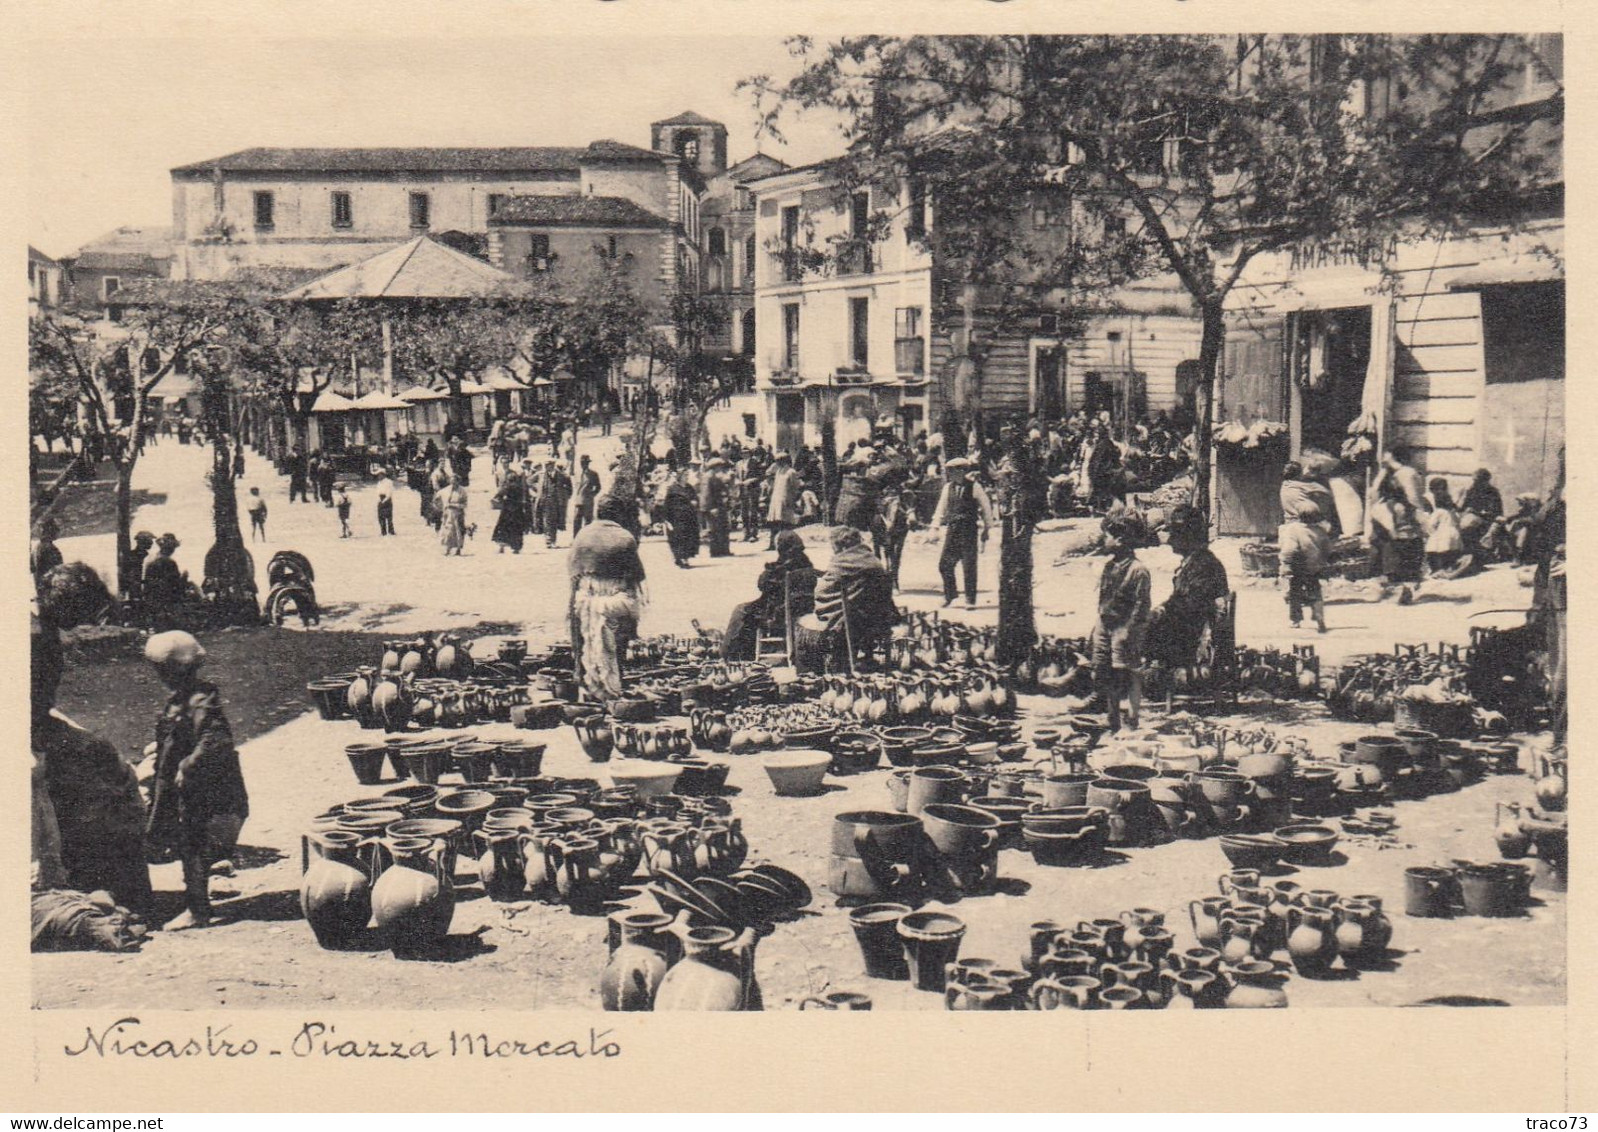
(1467, 888)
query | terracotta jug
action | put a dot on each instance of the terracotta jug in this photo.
(336, 890)
(1312, 939)
(716, 971)
(638, 962)
(1194, 988)
(1205, 915)
(1378, 928)
(1136, 922)
(1512, 840)
(977, 994)
(500, 865)
(1239, 938)
(1552, 787)
(359, 698)
(413, 902)
(1256, 985)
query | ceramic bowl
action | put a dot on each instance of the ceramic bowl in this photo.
(798, 772)
(982, 754)
(1246, 852)
(1306, 844)
(651, 779)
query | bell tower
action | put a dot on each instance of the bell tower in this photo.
(696, 139)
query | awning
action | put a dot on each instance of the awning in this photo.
(1514, 269)
(502, 382)
(419, 393)
(563, 375)
(330, 402)
(377, 399)
(473, 389)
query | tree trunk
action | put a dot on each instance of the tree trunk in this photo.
(1021, 500)
(1210, 344)
(124, 525)
(829, 467)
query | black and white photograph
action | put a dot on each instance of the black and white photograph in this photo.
(816, 522)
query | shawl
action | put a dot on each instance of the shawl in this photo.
(604, 549)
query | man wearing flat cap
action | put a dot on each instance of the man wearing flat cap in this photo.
(965, 514)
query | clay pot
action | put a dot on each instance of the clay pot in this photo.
(638, 962)
(962, 832)
(716, 972)
(876, 930)
(1256, 985)
(500, 865)
(1430, 892)
(366, 760)
(930, 785)
(1063, 790)
(931, 942)
(358, 699)
(392, 703)
(1206, 917)
(836, 1000)
(413, 902)
(336, 890)
(978, 994)
(1486, 890)
(1311, 940)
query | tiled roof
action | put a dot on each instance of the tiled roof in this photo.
(579, 212)
(391, 160)
(687, 118)
(121, 261)
(449, 159)
(36, 256)
(144, 243)
(419, 269)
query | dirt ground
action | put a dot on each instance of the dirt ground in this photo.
(528, 956)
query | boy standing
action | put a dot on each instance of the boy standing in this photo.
(257, 514)
(1306, 549)
(341, 501)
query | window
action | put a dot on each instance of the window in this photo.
(909, 347)
(749, 333)
(749, 259)
(859, 215)
(790, 336)
(916, 222)
(687, 147)
(537, 252)
(263, 210)
(421, 209)
(718, 242)
(343, 211)
(496, 201)
(860, 332)
(610, 247)
(1523, 332)
(109, 286)
(790, 244)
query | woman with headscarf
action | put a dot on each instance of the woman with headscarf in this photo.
(451, 504)
(787, 585)
(1177, 628)
(198, 802)
(857, 578)
(88, 814)
(680, 506)
(515, 510)
(607, 599)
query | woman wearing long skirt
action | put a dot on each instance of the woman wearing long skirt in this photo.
(452, 518)
(515, 510)
(682, 519)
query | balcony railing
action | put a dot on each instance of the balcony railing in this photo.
(910, 356)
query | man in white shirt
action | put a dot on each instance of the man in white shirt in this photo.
(965, 511)
(385, 505)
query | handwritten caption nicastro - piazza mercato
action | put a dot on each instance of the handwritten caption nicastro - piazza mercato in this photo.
(130, 1038)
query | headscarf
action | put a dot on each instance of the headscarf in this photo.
(791, 553)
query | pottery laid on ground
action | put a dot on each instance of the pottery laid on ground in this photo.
(413, 902)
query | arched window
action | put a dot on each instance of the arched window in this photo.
(715, 276)
(718, 242)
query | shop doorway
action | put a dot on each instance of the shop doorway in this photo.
(790, 422)
(1327, 365)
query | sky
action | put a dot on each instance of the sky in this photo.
(108, 118)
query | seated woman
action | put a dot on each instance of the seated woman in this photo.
(1178, 628)
(857, 579)
(791, 562)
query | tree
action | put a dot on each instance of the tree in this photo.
(114, 367)
(695, 319)
(52, 407)
(1187, 156)
(603, 321)
(453, 339)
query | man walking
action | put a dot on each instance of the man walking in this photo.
(587, 490)
(966, 514)
(385, 504)
(297, 473)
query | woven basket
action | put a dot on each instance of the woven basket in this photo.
(1260, 559)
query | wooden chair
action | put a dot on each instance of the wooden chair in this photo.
(774, 638)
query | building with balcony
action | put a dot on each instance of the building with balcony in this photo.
(856, 321)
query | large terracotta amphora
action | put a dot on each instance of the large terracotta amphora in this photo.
(392, 702)
(638, 961)
(716, 971)
(1552, 786)
(336, 890)
(500, 865)
(359, 698)
(413, 902)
